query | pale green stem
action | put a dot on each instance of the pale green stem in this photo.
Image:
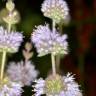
(53, 26)
(4, 57)
(53, 56)
(58, 63)
(58, 57)
(3, 65)
(9, 27)
(53, 64)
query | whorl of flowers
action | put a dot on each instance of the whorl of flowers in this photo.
(47, 41)
(57, 86)
(23, 73)
(10, 41)
(55, 9)
(9, 88)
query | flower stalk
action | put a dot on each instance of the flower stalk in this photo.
(9, 27)
(53, 26)
(4, 56)
(52, 55)
(3, 64)
(53, 64)
(58, 57)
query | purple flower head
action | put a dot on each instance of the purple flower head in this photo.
(10, 42)
(57, 86)
(22, 72)
(57, 10)
(47, 41)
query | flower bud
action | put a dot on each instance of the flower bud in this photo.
(10, 5)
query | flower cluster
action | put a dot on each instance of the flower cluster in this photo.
(57, 86)
(57, 10)
(10, 41)
(9, 88)
(23, 73)
(47, 41)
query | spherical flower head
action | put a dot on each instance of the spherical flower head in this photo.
(57, 10)
(9, 88)
(22, 72)
(57, 86)
(47, 41)
(10, 42)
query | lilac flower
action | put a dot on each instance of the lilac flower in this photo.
(9, 88)
(57, 86)
(23, 73)
(10, 42)
(55, 9)
(47, 41)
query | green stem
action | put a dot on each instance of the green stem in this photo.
(9, 27)
(61, 28)
(3, 64)
(53, 64)
(58, 57)
(53, 56)
(58, 63)
(53, 26)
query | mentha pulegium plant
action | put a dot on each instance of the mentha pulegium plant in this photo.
(54, 84)
(9, 40)
(45, 40)
(58, 12)
(9, 43)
